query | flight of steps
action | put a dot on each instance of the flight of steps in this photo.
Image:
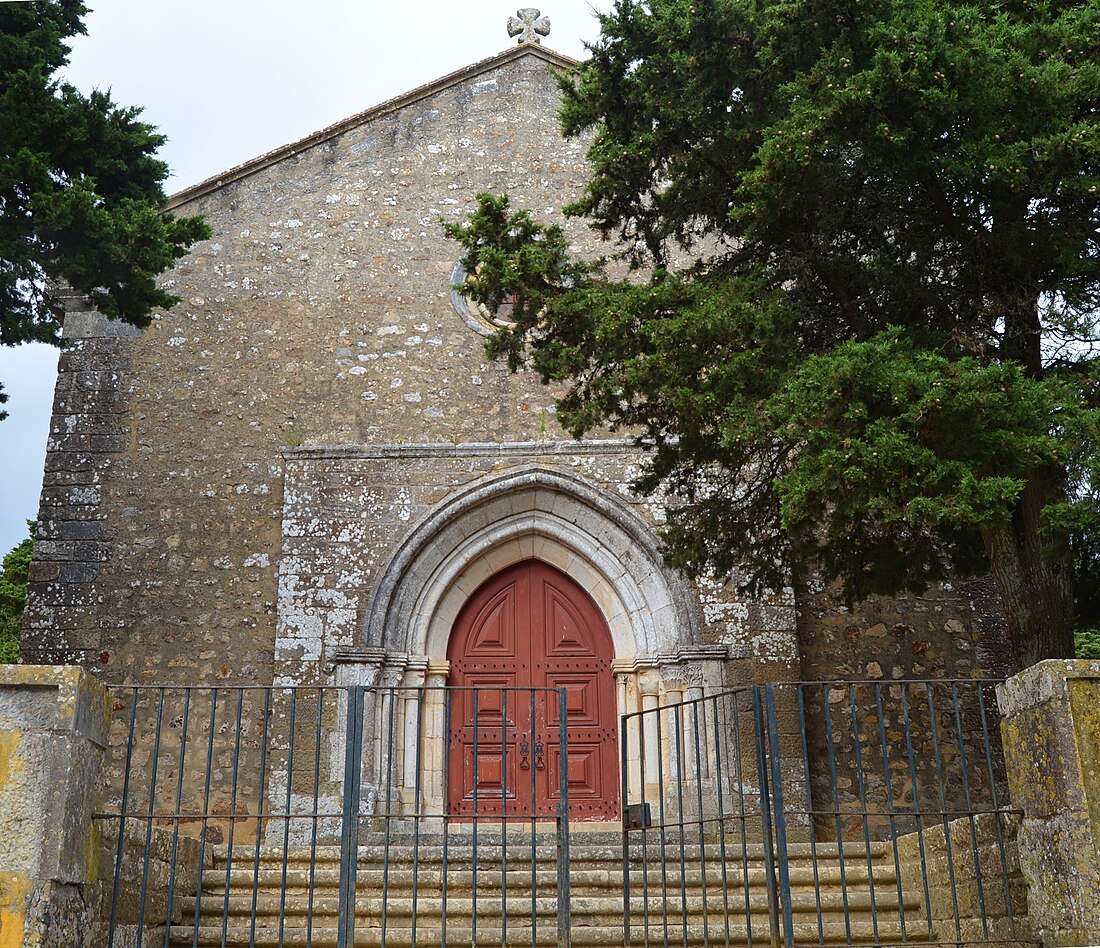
(662, 886)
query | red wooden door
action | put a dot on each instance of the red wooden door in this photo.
(531, 626)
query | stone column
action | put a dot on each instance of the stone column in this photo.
(695, 730)
(432, 772)
(627, 698)
(412, 696)
(362, 667)
(1050, 727)
(53, 731)
(389, 709)
(649, 685)
(674, 727)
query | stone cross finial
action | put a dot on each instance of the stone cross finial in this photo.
(530, 22)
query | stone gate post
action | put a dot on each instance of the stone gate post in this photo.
(53, 731)
(1051, 731)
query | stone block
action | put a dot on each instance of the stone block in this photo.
(1051, 734)
(53, 731)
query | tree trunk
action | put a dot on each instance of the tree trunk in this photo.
(1034, 576)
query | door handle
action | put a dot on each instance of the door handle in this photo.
(540, 754)
(524, 753)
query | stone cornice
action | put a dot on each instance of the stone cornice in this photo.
(459, 450)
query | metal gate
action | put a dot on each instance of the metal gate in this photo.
(322, 816)
(820, 813)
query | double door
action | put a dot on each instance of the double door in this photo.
(526, 633)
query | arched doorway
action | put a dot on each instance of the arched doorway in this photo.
(531, 626)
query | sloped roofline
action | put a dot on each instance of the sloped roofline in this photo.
(392, 105)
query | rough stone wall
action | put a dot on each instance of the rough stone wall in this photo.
(966, 875)
(318, 313)
(954, 631)
(346, 512)
(89, 429)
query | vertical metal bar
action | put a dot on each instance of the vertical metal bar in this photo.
(503, 815)
(350, 790)
(564, 934)
(205, 811)
(356, 800)
(661, 809)
(260, 815)
(388, 817)
(534, 853)
(761, 736)
(721, 818)
(780, 816)
(996, 811)
(888, 778)
(232, 814)
(313, 830)
(623, 767)
(943, 807)
(836, 811)
(861, 784)
(477, 794)
(681, 776)
(970, 807)
(743, 816)
(421, 695)
(810, 807)
(702, 835)
(642, 751)
(286, 820)
(916, 801)
(176, 823)
(447, 693)
(149, 824)
(122, 819)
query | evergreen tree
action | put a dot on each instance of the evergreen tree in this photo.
(80, 188)
(13, 596)
(860, 335)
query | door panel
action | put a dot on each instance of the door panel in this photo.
(531, 626)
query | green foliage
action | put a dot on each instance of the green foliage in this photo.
(859, 336)
(1086, 587)
(13, 596)
(80, 188)
(1087, 643)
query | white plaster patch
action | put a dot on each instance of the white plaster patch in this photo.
(403, 507)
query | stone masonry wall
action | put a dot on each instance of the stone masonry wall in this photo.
(319, 313)
(345, 513)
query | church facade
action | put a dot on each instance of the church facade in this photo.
(307, 473)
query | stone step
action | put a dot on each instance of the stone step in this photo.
(579, 853)
(835, 933)
(519, 879)
(398, 911)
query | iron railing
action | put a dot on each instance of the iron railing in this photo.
(333, 815)
(814, 813)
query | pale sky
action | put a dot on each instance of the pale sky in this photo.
(229, 80)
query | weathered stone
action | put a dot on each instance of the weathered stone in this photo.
(53, 730)
(1051, 734)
